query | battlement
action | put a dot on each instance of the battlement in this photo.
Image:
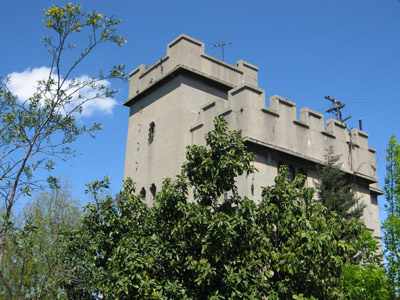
(174, 102)
(188, 53)
(277, 127)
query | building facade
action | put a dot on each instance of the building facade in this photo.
(173, 104)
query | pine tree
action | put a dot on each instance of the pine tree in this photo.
(335, 191)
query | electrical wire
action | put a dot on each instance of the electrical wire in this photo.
(375, 102)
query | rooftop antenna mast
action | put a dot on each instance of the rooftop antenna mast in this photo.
(222, 45)
(337, 109)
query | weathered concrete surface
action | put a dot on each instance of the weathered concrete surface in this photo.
(173, 104)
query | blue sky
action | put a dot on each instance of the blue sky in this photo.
(305, 50)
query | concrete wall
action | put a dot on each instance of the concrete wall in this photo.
(184, 91)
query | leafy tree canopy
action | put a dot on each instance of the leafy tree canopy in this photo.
(362, 282)
(33, 267)
(284, 247)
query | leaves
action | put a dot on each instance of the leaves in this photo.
(391, 226)
(35, 133)
(35, 245)
(43, 127)
(364, 282)
(284, 247)
(212, 169)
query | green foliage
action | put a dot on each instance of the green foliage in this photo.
(284, 247)
(35, 132)
(33, 267)
(212, 170)
(391, 226)
(308, 245)
(364, 282)
(334, 190)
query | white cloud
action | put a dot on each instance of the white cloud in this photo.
(24, 86)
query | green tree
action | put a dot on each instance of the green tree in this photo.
(364, 282)
(284, 247)
(35, 132)
(309, 247)
(391, 226)
(212, 170)
(335, 191)
(33, 267)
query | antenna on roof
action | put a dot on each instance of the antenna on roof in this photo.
(337, 109)
(222, 45)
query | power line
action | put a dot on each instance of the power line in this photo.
(375, 102)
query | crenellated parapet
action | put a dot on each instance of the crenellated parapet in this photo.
(187, 54)
(277, 127)
(173, 104)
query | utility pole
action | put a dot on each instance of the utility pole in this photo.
(222, 45)
(337, 109)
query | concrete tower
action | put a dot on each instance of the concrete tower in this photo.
(173, 104)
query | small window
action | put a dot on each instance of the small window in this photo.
(152, 129)
(143, 192)
(153, 190)
(291, 171)
(374, 199)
